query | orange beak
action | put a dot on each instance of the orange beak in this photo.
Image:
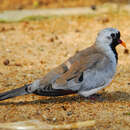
(122, 43)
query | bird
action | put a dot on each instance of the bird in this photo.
(85, 73)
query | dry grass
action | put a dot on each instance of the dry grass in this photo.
(34, 48)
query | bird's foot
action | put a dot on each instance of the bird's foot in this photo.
(94, 97)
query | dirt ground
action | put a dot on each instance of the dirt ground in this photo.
(28, 50)
(34, 4)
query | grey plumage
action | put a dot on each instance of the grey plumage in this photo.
(85, 73)
(14, 93)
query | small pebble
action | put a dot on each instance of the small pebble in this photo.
(18, 64)
(2, 29)
(105, 20)
(77, 51)
(77, 30)
(54, 119)
(63, 108)
(93, 7)
(69, 113)
(19, 7)
(11, 28)
(44, 116)
(56, 37)
(6, 62)
(51, 39)
(41, 62)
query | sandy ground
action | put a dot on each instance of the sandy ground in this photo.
(34, 4)
(28, 50)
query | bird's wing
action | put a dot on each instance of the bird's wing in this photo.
(76, 69)
(69, 75)
(66, 67)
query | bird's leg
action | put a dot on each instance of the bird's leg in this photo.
(94, 96)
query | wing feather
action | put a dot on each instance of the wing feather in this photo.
(77, 68)
(72, 69)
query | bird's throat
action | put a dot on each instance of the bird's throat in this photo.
(114, 51)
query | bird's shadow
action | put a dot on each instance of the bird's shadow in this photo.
(104, 97)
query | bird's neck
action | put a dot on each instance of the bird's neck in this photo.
(109, 51)
(115, 52)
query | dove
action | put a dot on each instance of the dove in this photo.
(85, 73)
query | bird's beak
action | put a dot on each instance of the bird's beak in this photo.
(122, 43)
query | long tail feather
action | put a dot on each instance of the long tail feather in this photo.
(14, 93)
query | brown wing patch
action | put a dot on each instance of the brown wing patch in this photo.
(72, 73)
(78, 67)
(56, 72)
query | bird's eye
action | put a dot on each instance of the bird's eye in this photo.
(113, 35)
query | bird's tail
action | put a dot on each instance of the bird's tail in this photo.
(14, 93)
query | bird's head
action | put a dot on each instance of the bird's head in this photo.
(109, 37)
